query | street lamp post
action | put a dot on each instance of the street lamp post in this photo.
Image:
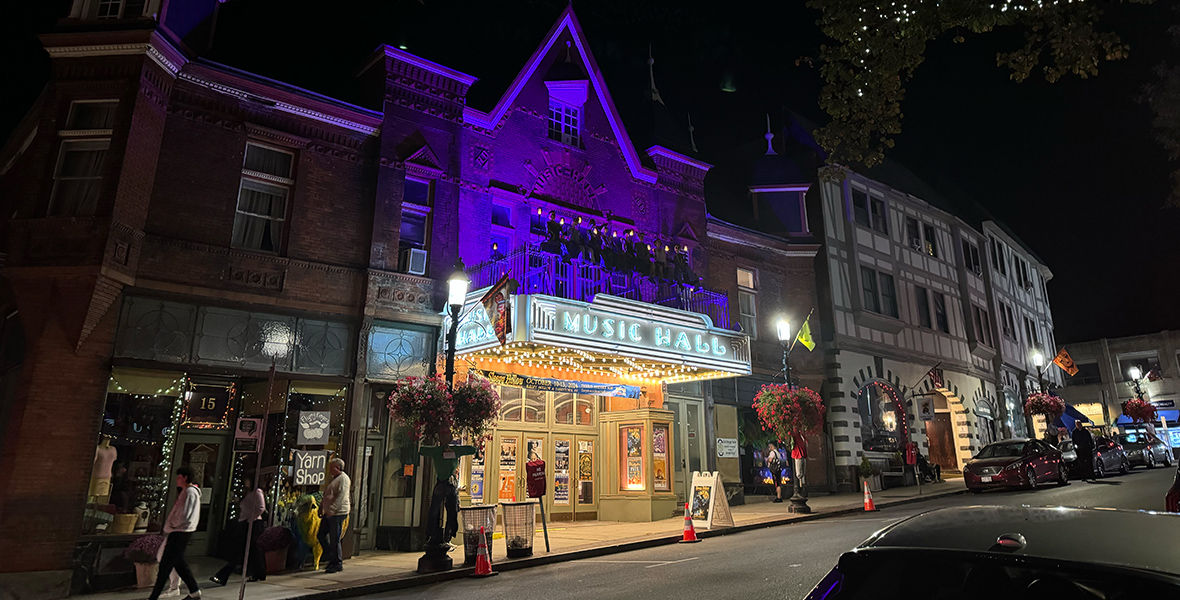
(435, 558)
(799, 498)
(457, 285)
(1136, 374)
(1038, 361)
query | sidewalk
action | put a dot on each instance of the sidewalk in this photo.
(377, 571)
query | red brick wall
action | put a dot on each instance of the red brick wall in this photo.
(48, 448)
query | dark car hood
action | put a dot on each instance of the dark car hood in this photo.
(994, 462)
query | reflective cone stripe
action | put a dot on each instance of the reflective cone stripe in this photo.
(690, 533)
(869, 506)
(483, 563)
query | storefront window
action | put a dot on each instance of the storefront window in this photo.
(585, 471)
(880, 418)
(561, 472)
(534, 406)
(133, 457)
(631, 469)
(313, 433)
(511, 408)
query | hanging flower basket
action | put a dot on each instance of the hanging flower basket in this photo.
(475, 405)
(1139, 410)
(423, 406)
(1045, 405)
(789, 413)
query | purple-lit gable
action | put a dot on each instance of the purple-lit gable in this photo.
(514, 166)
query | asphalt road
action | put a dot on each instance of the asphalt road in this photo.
(777, 562)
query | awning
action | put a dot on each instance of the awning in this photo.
(1069, 418)
(1171, 416)
(611, 336)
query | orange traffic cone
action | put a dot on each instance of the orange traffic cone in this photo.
(483, 563)
(869, 506)
(690, 533)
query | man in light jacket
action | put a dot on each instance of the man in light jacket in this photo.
(335, 509)
(181, 523)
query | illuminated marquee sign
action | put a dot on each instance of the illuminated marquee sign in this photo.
(613, 325)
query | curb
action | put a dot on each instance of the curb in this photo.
(414, 580)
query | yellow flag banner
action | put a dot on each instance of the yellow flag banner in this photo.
(804, 336)
(1064, 361)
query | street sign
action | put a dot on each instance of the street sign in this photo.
(926, 408)
(1164, 403)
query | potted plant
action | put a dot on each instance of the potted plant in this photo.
(475, 406)
(870, 474)
(142, 552)
(791, 412)
(274, 543)
(1048, 406)
(424, 407)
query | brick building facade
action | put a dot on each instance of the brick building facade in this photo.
(179, 226)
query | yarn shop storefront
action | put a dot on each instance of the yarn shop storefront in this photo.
(189, 388)
(583, 386)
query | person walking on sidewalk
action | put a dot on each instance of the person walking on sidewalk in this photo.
(1083, 444)
(250, 509)
(774, 462)
(334, 510)
(179, 528)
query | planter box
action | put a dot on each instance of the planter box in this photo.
(874, 483)
(145, 574)
(276, 560)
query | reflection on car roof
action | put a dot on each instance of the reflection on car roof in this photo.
(1141, 539)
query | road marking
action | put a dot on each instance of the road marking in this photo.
(626, 562)
(795, 565)
(672, 562)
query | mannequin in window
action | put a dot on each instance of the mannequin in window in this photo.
(100, 476)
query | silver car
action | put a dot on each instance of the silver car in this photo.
(1144, 450)
(1068, 452)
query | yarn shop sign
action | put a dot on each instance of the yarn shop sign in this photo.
(311, 467)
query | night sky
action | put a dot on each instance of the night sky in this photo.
(1071, 167)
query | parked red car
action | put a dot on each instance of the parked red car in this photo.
(1015, 463)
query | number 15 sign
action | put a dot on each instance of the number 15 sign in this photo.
(205, 407)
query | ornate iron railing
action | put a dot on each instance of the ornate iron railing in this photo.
(540, 272)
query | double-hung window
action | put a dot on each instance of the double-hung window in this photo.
(1030, 331)
(1009, 321)
(77, 177)
(971, 257)
(880, 296)
(931, 246)
(922, 301)
(748, 301)
(564, 123)
(912, 235)
(417, 200)
(869, 211)
(940, 315)
(262, 198)
(983, 326)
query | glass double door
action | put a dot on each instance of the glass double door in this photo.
(571, 467)
(208, 455)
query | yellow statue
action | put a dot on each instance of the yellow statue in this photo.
(307, 521)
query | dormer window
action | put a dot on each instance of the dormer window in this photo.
(566, 99)
(564, 121)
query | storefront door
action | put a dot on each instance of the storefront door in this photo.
(571, 461)
(688, 442)
(369, 497)
(208, 455)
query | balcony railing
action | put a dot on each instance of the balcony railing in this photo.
(540, 272)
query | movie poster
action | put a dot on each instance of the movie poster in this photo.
(507, 469)
(632, 439)
(585, 472)
(477, 477)
(659, 460)
(561, 489)
(700, 502)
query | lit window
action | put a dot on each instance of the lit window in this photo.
(931, 240)
(564, 122)
(262, 199)
(748, 301)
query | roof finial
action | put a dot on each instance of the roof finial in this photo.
(655, 93)
(567, 50)
(769, 138)
(691, 140)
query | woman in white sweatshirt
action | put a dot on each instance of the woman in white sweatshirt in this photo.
(179, 528)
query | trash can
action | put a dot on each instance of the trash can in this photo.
(520, 523)
(474, 517)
